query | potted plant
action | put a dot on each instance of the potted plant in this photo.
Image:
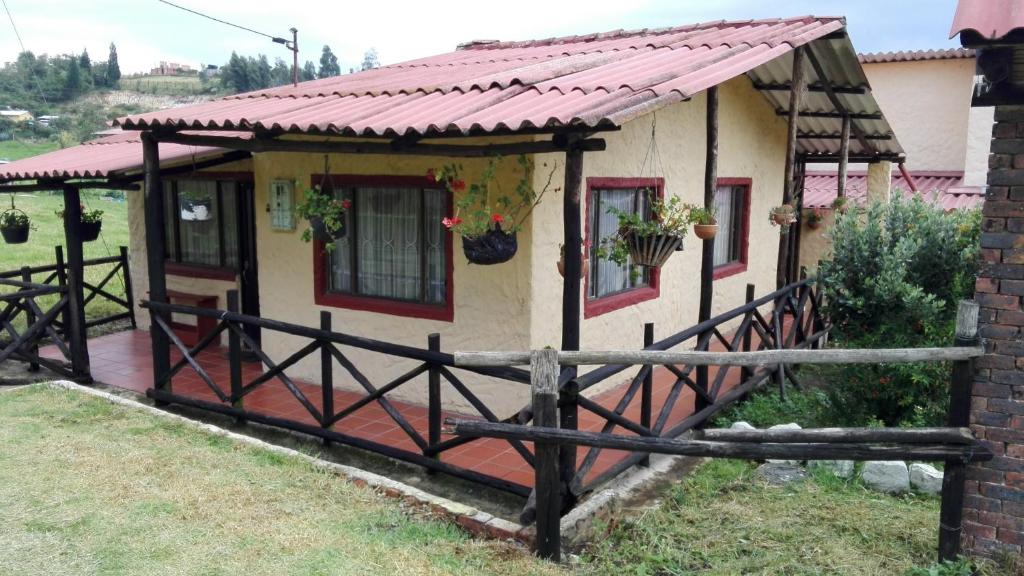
(648, 241)
(326, 215)
(15, 225)
(705, 224)
(783, 215)
(584, 261)
(90, 225)
(486, 217)
(814, 218)
(195, 206)
(839, 204)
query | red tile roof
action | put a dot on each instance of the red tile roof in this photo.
(598, 80)
(944, 187)
(990, 19)
(915, 55)
(101, 158)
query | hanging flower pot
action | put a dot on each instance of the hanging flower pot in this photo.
(648, 239)
(326, 215)
(584, 264)
(325, 233)
(652, 249)
(15, 226)
(492, 247)
(814, 218)
(783, 215)
(195, 208)
(90, 224)
(705, 225)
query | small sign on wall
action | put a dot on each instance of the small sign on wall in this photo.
(282, 204)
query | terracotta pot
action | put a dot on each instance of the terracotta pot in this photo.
(814, 224)
(653, 250)
(584, 266)
(783, 219)
(705, 231)
(493, 247)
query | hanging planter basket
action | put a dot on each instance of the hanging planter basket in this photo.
(196, 210)
(493, 247)
(705, 231)
(90, 231)
(17, 234)
(584, 266)
(652, 250)
(321, 233)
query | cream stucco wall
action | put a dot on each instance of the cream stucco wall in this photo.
(979, 138)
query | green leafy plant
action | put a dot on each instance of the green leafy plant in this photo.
(703, 216)
(814, 217)
(840, 203)
(14, 219)
(322, 205)
(960, 567)
(483, 205)
(671, 218)
(782, 215)
(88, 216)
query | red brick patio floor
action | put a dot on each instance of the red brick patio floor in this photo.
(123, 360)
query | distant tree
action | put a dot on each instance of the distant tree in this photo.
(264, 77)
(99, 74)
(308, 71)
(113, 69)
(328, 64)
(84, 62)
(281, 74)
(370, 59)
(73, 80)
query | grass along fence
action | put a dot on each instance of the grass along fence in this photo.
(955, 445)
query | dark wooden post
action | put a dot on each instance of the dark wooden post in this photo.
(844, 156)
(434, 397)
(746, 371)
(129, 295)
(156, 252)
(954, 475)
(326, 374)
(707, 258)
(235, 354)
(62, 281)
(76, 331)
(647, 388)
(795, 100)
(797, 230)
(30, 319)
(573, 243)
(547, 484)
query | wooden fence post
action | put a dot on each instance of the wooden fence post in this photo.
(30, 319)
(235, 354)
(76, 330)
(746, 372)
(954, 476)
(647, 389)
(62, 281)
(128, 296)
(434, 397)
(326, 374)
(544, 389)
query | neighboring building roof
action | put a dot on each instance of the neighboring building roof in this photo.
(989, 19)
(915, 55)
(13, 112)
(947, 187)
(107, 157)
(592, 81)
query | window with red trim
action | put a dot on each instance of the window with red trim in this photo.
(395, 256)
(732, 209)
(201, 226)
(611, 286)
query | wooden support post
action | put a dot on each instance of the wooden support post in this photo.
(795, 100)
(954, 476)
(434, 419)
(62, 281)
(544, 384)
(76, 330)
(129, 295)
(746, 372)
(647, 389)
(707, 258)
(326, 375)
(30, 319)
(235, 355)
(156, 252)
(844, 156)
(797, 230)
(573, 245)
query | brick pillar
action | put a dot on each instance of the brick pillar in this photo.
(994, 501)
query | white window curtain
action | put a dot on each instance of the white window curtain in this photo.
(607, 277)
(725, 213)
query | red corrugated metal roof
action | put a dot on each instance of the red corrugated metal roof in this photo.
(590, 81)
(101, 158)
(944, 187)
(915, 55)
(991, 19)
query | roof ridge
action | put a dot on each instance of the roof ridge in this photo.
(915, 55)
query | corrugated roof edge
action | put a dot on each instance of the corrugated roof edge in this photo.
(915, 55)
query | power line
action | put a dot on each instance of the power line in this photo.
(11, 18)
(274, 38)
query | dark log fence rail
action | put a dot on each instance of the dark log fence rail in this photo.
(21, 339)
(955, 445)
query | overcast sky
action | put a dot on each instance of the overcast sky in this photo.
(147, 31)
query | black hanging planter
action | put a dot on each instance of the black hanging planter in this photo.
(494, 247)
(90, 231)
(652, 250)
(321, 233)
(15, 234)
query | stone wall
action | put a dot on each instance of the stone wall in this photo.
(994, 502)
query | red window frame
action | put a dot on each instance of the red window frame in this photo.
(323, 297)
(737, 266)
(593, 307)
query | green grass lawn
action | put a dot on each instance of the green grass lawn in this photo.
(90, 487)
(17, 149)
(49, 232)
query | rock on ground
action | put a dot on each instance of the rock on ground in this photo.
(840, 468)
(780, 474)
(883, 476)
(741, 425)
(790, 426)
(925, 478)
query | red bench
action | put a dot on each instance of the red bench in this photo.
(191, 334)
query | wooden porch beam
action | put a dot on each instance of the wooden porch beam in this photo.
(572, 240)
(233, 156)
(844, 157)
(856, 159)
(839, 136)
(385, 148)
(830, 92)
(835, 115)
(76, 330)
(812, 88)
(49, 187)
(795, 99)
(156, 252)
(710, 184)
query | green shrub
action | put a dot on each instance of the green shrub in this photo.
(765, 407)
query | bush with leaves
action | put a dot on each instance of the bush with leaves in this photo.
(897, 271)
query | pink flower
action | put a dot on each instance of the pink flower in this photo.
(450, 222)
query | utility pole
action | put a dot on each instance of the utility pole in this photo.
(292, 45)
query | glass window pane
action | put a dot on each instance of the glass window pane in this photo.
(607, 277)
(229, 220)
(435, 210)
(200, 229)
(340, 258)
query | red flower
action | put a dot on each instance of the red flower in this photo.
(458, 185)
(449, 222)
(346, 204)
(430, 174)
(497, 218)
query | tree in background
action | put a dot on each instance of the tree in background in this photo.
(370, 60)
(328, 64)
(84, 62)
(264, 79)
(73, 80)
(308, 71)
(281, 73)
(113, 69)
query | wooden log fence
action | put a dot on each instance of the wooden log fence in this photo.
(20, 297)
